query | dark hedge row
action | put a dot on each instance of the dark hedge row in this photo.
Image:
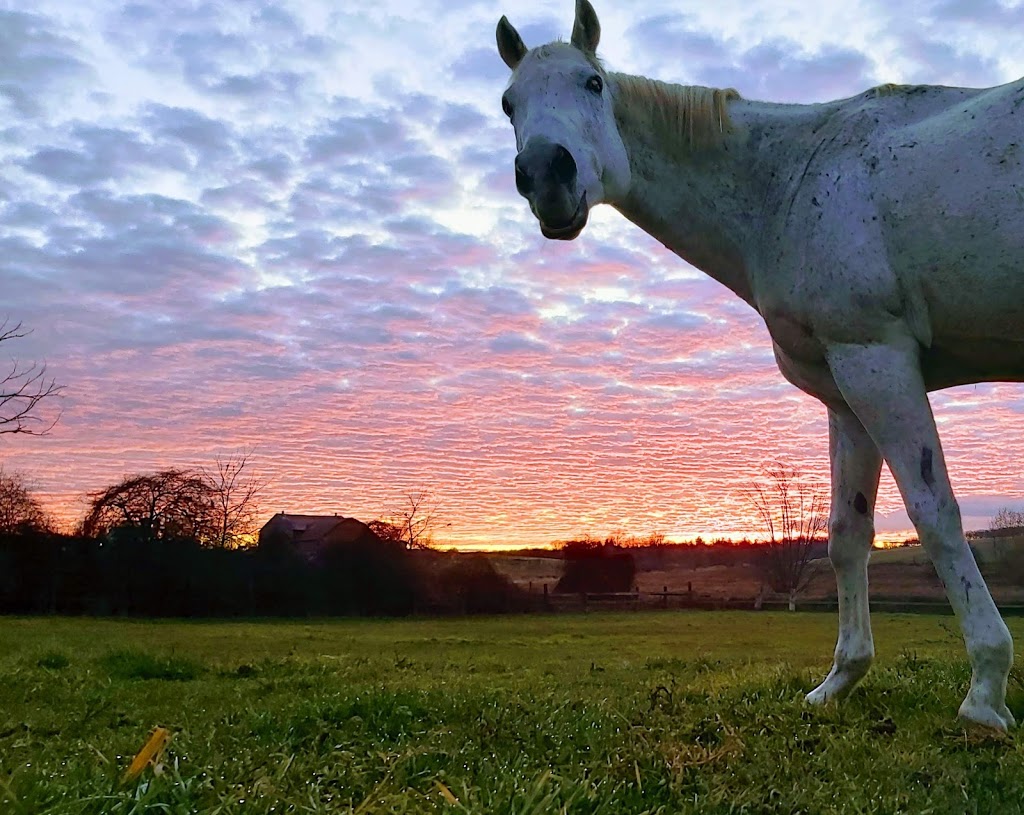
(130, 574)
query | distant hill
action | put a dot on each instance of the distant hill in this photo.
(1009, 532)
(989, 546)
(903, 572)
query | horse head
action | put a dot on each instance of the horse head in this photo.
(571, 156)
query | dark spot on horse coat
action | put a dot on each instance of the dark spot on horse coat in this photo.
(860, 503)
(926, 466)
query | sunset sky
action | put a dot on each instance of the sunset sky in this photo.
(293, 227)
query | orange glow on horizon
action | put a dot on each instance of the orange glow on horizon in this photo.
(226, 248)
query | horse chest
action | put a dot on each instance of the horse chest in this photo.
(794, 336)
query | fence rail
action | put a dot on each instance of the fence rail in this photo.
(647, 600)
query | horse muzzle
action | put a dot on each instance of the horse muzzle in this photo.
(546, 176)
(569, 230)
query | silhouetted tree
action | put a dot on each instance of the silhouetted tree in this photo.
(171, 504)
(387, 531)
(283, 581)
(624, 540)
(794, 513)
(1003, 556)
(20, 510)
(469, 584)
(1007, 518)
(417, 516)
(234, 496)
(366, 575)
(594, 566)
(22, 391)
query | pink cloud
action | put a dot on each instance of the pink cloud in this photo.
(242, 246)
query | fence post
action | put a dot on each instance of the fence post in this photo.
(547, 602)
(689, 588)
(664, 596)
(583, 594)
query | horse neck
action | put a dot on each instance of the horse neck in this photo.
(705, 203)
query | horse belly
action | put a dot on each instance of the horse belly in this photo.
(961, 361)
(951, 199)
(953, 225)
(970, 284)
(969, 276)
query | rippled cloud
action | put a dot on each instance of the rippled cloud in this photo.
(294, 226)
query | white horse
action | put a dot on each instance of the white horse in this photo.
(881, 239)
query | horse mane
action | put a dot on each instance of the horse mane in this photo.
(692, 116)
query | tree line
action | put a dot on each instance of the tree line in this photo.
(131, 573)
(178, 541)
(214, 506)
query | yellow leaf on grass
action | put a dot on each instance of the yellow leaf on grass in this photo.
(447, 794)
(149, 753)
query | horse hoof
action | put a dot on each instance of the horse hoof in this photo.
(975, 713)
(839, 682)
(819, 696)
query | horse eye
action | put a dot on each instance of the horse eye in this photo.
(506, 106)
(595, 84)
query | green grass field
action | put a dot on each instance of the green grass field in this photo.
(608, 713)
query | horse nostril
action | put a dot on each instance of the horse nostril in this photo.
(563, 166)
(524, 183)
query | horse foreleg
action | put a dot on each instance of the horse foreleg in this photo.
(856, 464)
(884, 387)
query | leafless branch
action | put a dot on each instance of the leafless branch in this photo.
(235, 499)
(794, 513)
(417, 517)
(23, 389)
(1007, 518)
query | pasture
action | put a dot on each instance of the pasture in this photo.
(659, 712)
(904, 573)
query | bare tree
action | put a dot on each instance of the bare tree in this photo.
(20, 510)
(23, 389)
(1007, 518)
(794, 513)
(1004, 556)
(417, 518)
(235, 498)
(167, 504)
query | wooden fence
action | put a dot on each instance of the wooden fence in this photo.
(650, 600)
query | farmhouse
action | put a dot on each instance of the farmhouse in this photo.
(311, 534)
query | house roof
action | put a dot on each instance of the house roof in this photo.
(312, 528)
(305, 527)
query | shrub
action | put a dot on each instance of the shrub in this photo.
(366, 575)
(597, 568)
(469, 584)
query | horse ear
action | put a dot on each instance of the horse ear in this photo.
(510, 44)
(586, 31)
